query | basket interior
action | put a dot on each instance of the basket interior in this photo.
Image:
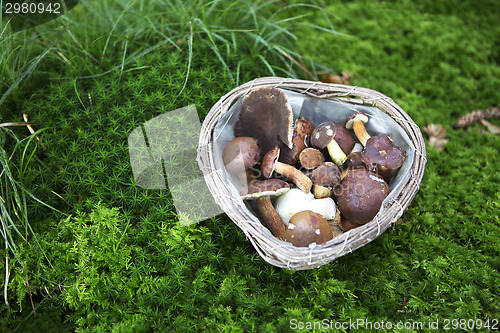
(319, 110)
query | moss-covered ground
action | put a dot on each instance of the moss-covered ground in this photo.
(113, 257)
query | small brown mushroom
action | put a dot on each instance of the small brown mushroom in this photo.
(353, 161)
(357, 121)
(344, 138)
(266, 115)
(239, 155)
(327, 135)
(383, 156)
(325, 178)
(270, 164)
(263, 191)
(300, 140)
(360, 196)
(304, 128)
(310, 158)
(307, 227)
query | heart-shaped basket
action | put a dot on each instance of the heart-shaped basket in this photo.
(216, 131)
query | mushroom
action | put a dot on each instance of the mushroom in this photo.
(262, 191)
(325, 177)
(327, 135)
(308, 227)
(270, 164)
(353, 161)
(344, 138)
(266, 115)
(300, 140)
(356, 122)
(304, 128)
(239, 155)
(383, 156)
(295, 201)
(347, 225)
(310, 158)
(360, 196)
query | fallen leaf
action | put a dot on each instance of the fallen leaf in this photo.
(437, 134)
(337, 79)
(491, 128)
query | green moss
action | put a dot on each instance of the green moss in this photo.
(125, 264)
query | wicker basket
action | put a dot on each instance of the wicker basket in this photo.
(283, 254)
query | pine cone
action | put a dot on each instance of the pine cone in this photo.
(475, 116)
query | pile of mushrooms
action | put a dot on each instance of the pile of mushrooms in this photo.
(308, 181)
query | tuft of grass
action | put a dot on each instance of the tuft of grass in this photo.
(16, 157)
(119, 33)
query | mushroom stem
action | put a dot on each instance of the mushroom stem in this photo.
(321, 191)
(296, 176)
(345, 172)
(360, 131)
(271, 217)
(336, 153)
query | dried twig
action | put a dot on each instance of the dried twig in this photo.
(301, 66)
(17, 124)
(29, 293)
(476, 116)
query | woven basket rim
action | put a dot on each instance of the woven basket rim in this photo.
(283, 254)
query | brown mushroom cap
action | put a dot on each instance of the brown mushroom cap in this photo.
(291, 156)
(344, 139)
(382, 155)
(327, 174)
(264, 188)
(300, 140)
(304, 128)
(354, 117)
(266, 115)
(240, 154)
(310, 158)
(323, 134)
(307, 227)
(325, 178)
(354, 161)
(270, 164)
(326, 135)
(360, 195)
(347, 225)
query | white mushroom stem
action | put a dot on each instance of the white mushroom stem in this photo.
(336, 153)
(296, 176)
(360, 131)
(295, 201)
